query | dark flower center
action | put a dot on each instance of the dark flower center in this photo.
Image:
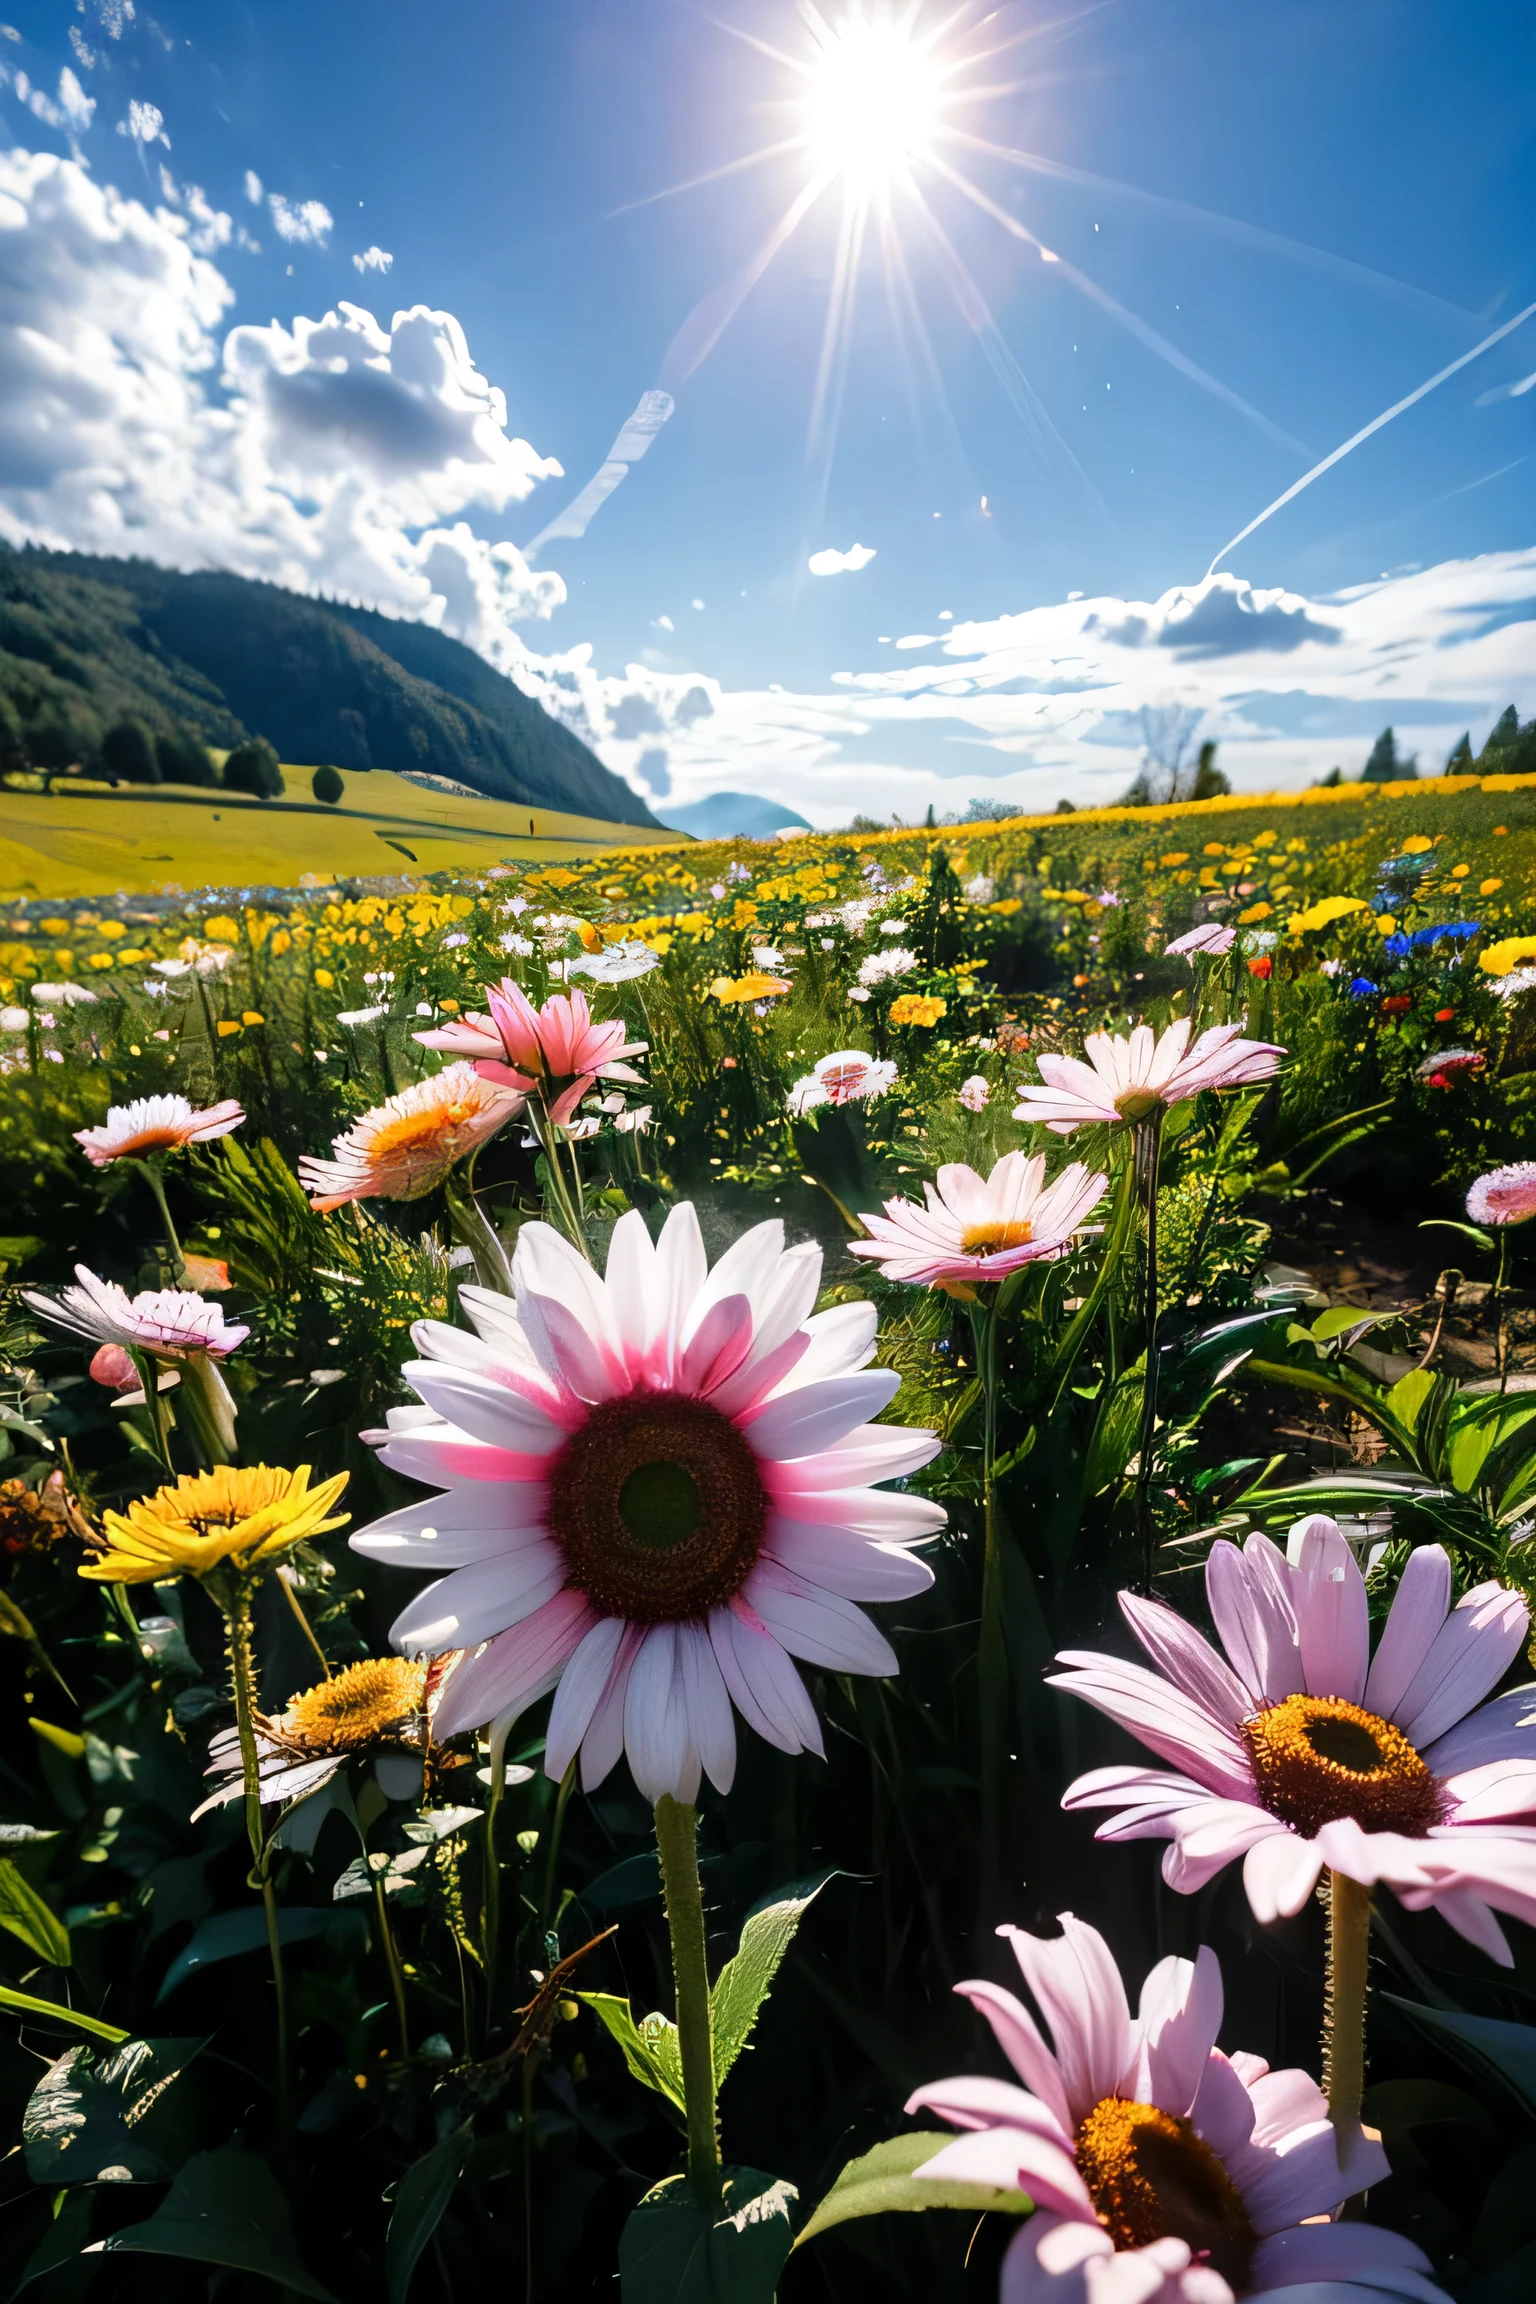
(657, 1505)
(1319, 1758)
(1152, 2178)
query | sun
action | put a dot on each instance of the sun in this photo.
(874, 101)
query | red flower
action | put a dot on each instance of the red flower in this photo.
(1396, 1004)
(1444, 1015)
(1263, 967)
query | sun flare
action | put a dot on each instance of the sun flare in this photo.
(875, 100)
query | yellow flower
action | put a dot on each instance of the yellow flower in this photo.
(1499, 959)
(324, 979)
(1489, 887)
(1417, 845)
(1324, 912)
(1386, 924)
(111, 930)
(243, 1516)
(354, 1707)
(1460, 871)
(1254, 912)
(252, 1016)
(917, 1008)
(731, 991)
(222, 930)
(224, 1029)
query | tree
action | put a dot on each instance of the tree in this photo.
(1326, 783)
(1460, 761)
(326, 785)
(253, 767)
(1210, 781)
(13, 743)
(128, 752)
(184, 759)
(1503, 732)
(1066, 807)
(1385, 766)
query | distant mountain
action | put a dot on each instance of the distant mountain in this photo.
(85, 641)
(731, 816)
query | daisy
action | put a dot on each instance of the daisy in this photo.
(1504, 1195)
(376, 1705)
(243, 1518)
(1128, 1079)
(1450, 1064)
(555, 1051)
(168, 1323)
(982, 1228)
(657, 1489)
(881, 967)
(155, 1124)
(1298, 1749)
(405, 1146)
(1162, 2171)
(975, 1094)
(847, 1076)
(620, 963)
(1210, 937)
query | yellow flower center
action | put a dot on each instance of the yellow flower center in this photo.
(151, 1140)
(988, 1239)
(355, 1707)
(417, 1140)
(1152, 2178)
(1318, 1758)
(657, 1505)
(1136, 1103)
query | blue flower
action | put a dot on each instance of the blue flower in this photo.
(1399, 946)
(1361, 988)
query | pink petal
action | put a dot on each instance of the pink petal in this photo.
(488, 1411)
(719, 1344)
(976, 2102)
(570, 1352)
(1048, 2258)
(1020, 2039)
(846, 1563)
(1160, 1716)
(762, 1682)
(1337, 2252)
(1280, 1872)
(1178, 2019)
(1282, 2101)
(662, 1756)
(1418, 1610)
(1332, 1616)
(1185, 1658)
(816, 1416)
(1469, 1655)
(474, 1604)
(1472, 1918)
(1504, 1729)
(1207, 1839)
(516, 1667)
(602, 1747)
(1299, 2182)
(878, 1452)
(1014, 2161)
(816, 1624)
(583, 1685)
(1250, 1603)
(1078, 1990)
(866, 1512)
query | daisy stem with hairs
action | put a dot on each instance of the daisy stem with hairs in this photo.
(677, 1844)
(391, 1959)
(1146, 1150)
(234, 1596)
(1349, 1932)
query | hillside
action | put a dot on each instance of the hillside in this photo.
(85, 840)
(84, 641)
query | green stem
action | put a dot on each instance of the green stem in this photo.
(677, 1843)
(150, 1169)
(470, 1226)
(1349, 1932)
(1501, 1305)
(991, 1649)
(235, 1599)
(1146, 1151)
(304, 1624)
(552, 1851)
(392, 1963)
(154, 1407)
(210, 1409)
(490, 1888)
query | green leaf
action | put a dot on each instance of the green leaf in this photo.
(26, 2004)
(637, 1880)
(1408, 1395)
(421, 2196)
(23, 1911)
(1486, 2044)
(1473, 1232)
(881, 2182)
(228, 1934)
(64, 2239)
(650, 2048)
(673, 2252)
(743, 1984)
(84, 2120)
(225, 2208)
(1114, 1434)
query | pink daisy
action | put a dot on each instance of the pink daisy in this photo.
(406, 1146)
(657, 1489)
(1127, 1079)
(1504, 1195)
(1210, 937)
(982, 1228)
(170, 1323)
(155, 1124)
(1300, 1750)
(555, 1052)
(847, 1076)
(1162, 2171)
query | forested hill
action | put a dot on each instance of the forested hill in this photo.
(85, 642)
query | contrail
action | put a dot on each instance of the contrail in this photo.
(1366, 430)
(633, 441)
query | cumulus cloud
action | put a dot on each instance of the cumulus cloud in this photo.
(145, 124)
(831, 563)
(335, 455)
(308, 223)
(73, 110)
(373, 260)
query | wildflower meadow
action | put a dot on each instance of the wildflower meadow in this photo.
(785, 1568)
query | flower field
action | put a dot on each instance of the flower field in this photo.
(785, 1569)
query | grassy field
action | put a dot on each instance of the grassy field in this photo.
(87, 840)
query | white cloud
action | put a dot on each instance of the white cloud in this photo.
(73, 110)
(373, 260)
(308, 223)
(332, 456)
(832, 563)
(85, 54)
(207, 227)
(254, 189)
(145, 123)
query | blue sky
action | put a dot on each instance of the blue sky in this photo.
(497, 154)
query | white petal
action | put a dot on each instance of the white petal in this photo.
(474, 1604)
(806, 1422)
(662, 1759)
(711, 1727)
(486, 1410)
(764, 1686)
(583, 1684)
(846, 1563)
(814, 1623)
